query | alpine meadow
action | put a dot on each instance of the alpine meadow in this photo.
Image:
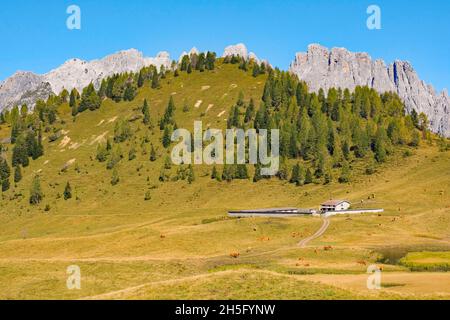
(88, 180)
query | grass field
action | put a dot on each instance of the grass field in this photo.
(177, 245)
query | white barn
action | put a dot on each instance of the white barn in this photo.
(334, 205)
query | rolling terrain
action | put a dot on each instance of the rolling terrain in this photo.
(179, 243)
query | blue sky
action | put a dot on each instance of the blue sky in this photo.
(34, 35)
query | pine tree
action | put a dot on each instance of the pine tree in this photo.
(146, 112)
(130, 92)
(308, 176)
(74, 95)
(250, 111)
(380, 145)
(36, 194)
(5, 185)
(17, 174)
(283, 171)
(155, 80)
(67, 192)
(102, 153)
(214, 173)
(140, 81)
(89, 99)
(256, 70)
(152, 153)
(295, 175)
(132, 153)
(241, 171)
(191, 174)
(257, 176)
(20, 154)
(115, 177)
(5, 171)
(166, 141)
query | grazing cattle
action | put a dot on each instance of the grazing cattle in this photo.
(162, 236)
(327, 248)
(234, 255)
(362, 262)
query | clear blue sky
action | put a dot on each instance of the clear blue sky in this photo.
(34, 35)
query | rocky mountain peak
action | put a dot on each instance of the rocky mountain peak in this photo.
(74, 73)
(322, 68)
(236, 50)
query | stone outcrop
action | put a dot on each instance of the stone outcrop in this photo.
(340, 68)
(27, 87)
(236, 50)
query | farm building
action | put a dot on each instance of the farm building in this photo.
(334, 205)
(273, 212)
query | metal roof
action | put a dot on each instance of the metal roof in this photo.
(333, 202)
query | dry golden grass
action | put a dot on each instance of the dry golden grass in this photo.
(178, 244)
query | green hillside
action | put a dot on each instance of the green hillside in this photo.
(136, 236)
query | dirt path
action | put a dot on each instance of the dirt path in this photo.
(118, 294)
(316, 235)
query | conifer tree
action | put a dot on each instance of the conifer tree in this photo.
(380, 145)
(140, 81)
(5, 173)
(214, 173)
(241, 171)
(257, 176)
(283, 171)
(191, 174)
(166, 141)
(36, 194)
(308, 176)
(132, 153)
(155, 80)
(250, 111)
(184, 63)
(67, 191)
(102, 153)
(295, 175)
(5, 185)
(152, 153)
(115, 177)
(146, 112)
(89, 99)
(17, 174)
(74, 95)
(20, 154)
(256, 70)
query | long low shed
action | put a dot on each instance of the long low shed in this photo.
(272, 212)
(354, 211)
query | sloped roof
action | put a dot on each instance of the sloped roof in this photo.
(334, 202)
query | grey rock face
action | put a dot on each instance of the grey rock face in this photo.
(340, 68)
(27, 87)
(12, 89)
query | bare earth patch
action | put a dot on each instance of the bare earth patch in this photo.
(99, 138)
(65, 141)
(198, 104)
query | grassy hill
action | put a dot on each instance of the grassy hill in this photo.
(177, 244)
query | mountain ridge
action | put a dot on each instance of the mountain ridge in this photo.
(319, 67)
(323, 68)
